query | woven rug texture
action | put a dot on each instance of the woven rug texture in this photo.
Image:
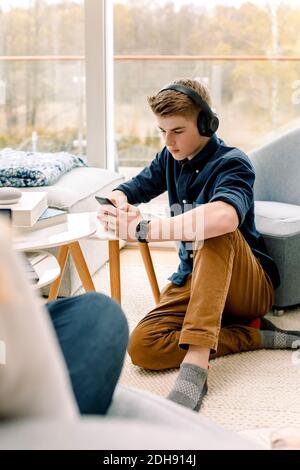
(253, 390)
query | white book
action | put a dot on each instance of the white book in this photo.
(26, 212)
(48, 218)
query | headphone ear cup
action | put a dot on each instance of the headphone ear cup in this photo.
(214, 123)
(202, 123)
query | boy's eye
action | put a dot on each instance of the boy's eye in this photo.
(178, 132)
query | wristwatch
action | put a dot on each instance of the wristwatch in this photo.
(141, 231)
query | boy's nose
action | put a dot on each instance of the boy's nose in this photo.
(169, 139)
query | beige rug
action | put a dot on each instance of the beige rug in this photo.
(259, 389)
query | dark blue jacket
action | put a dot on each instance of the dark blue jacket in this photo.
(216, 173)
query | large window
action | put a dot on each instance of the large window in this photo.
(247, 52)
(42, 72)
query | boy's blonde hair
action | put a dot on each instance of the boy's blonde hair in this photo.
(170, 102)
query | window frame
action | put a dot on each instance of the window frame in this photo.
(99, 83)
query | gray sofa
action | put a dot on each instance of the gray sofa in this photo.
(277, 209)
(75, 192)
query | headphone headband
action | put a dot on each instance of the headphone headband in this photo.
(191, 94)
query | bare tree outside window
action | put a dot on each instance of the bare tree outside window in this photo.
(247, 51)
(41, 50)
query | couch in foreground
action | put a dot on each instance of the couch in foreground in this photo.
(137, 420)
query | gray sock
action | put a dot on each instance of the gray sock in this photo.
(190, 386)
(273, 337)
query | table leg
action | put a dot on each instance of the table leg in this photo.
(81, 266)
(62, 257)
(114, 269)
(146, 255)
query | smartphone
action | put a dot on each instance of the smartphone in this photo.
(104, 201)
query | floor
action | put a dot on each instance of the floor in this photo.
(160, 256)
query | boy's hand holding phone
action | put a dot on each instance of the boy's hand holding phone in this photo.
(106, 212)
(121, 220)
(108, 204)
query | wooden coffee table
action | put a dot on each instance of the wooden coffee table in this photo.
(66, 236)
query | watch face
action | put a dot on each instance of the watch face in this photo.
(142, 231)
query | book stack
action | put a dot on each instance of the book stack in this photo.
(32, 212)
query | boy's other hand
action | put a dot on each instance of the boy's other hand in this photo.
(128, 218)
(117, 198)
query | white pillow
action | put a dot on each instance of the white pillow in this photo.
(34, 381)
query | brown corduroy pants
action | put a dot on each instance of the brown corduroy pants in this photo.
(225, 291)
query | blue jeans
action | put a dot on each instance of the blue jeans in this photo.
(93, 333)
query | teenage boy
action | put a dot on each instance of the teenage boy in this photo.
(220, 288)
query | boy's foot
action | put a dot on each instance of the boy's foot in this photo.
(190, 386)
(275, 338)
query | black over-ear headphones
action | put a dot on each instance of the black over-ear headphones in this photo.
(207, 121)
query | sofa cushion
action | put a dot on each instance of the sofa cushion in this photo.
(78, 185)
(277, 218)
